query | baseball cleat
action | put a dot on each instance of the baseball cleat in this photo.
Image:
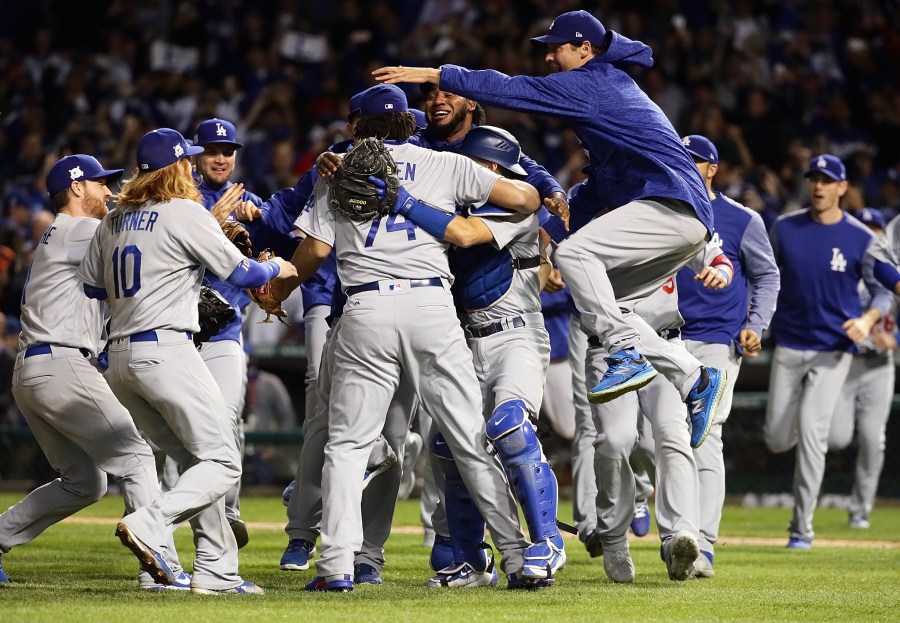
(542, 560)
(4, 579)
(680, 552)
(703, 402)
(151, 561)
(383, 459)
(364, 573)
(441, 553)
(798, 543)
(296, 556)
(288, 493)
(244, 588)
(859, 523)
(627, 372)
(182, 583)
(332, 584)
(703, 566)
(239, 528)
(640, 522)
(619, 566)
(465, 576)
(516, 582)
(594, 545)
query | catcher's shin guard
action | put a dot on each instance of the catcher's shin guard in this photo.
(463, 517)
(532, 481)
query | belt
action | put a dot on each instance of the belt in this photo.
(150, 336)
(413, 283)
(496, 327)
(521, 263)
(47, 349)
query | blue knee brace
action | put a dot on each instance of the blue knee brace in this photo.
(533, 482)
(463, 517)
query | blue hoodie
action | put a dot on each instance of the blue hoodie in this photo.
(633, 148)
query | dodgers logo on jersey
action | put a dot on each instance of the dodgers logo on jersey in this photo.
(220, 130)
(838, 263)
(179, 150)
(716, 241)
(76, 173)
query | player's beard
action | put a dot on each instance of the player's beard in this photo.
(95, 206)
(450, 125)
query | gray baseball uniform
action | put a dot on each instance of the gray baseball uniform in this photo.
(400, 317)
(81, 427)
(151, 264)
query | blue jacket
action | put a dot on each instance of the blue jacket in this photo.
(633, 149)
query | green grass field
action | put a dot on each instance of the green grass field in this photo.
(77, 571)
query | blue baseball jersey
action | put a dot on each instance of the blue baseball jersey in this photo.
(821, 266)
(633, 149)
(556, 309)
(718, 316)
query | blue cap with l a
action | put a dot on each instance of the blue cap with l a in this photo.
(158, 149)
(216, 131)
(701, 147)
(873, 217)
(828, 165)
(78, 167)
(381, 99)
(573, 27)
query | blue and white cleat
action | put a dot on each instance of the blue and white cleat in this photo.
(364, 573)
(331, 584)
(297, 554)
(799, 544)
(465, 576)
(244, 588)
(627, 372)
(288, 493)
(182, 583)
(640, 521)
(542, 560)
(4, 579)
(151, 560)
(703, 403)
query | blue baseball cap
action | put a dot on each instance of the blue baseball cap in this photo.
(216, 131)
(421, 121)
(78, 167)
(494, 145)
(355, 101)
(160, 148)
(574, 26)
(871, 216)
(701, 147)
(381, 99)
(829, 165)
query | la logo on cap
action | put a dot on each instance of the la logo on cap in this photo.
(75, 173)
(179, 150)
(821, 163)
(220, 130)
(686, 141)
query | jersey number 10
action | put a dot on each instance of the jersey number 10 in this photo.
(120, 271)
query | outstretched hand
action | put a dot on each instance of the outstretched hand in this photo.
(414, 75)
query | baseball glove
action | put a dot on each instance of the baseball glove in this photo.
(350, 191)
(235, 232)
(265, 297)
(215, 313)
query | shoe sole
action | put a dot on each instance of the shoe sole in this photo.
(682, 552)
(290, 567)
(144, 555)
(631, 385)
(196, 590)
(715, 408)
(481, 580)
(380, 470)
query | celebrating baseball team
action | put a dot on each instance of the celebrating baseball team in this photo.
(421, 248)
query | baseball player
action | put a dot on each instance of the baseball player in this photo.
(147, 259)
(495, 264)
(721, 326)
(400, 316)
(864, 403)
(637, 163)
(81, 427)
(817, 324)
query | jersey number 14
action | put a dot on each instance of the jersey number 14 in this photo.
(126, 283)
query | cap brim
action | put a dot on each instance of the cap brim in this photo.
(193, 150)
(548, 40)
(111, 176)
(234, 143)
(836, 178)
(699, 155)
(518, 170)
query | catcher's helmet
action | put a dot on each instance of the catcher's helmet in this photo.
(494, 145)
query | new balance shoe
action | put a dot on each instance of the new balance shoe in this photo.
(703, 566)
(640, 521)
(382, 459)
(151, 560)
(4, 579)
(244, 588)
(464, 576)
(619, 566)
(364, 573)
(627, 372)
(288, 493)
(703, 403)
(182, 583)
(516, 582)
(798, 543)
(680, 552)
(296, 556)
(331, 584)
(859, 523)
(441, 553)
(239, 528)
(542, 560)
